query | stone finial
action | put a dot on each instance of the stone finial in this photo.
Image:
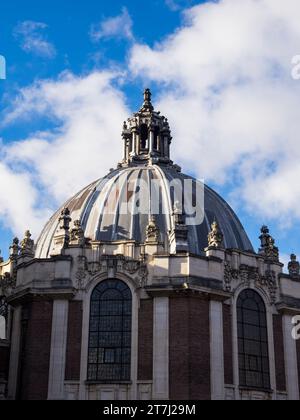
(65, 219)
(147, 105)
(294, 267)
(179, 234)
(152, 231)
(62, 234)
(77, 234)
(215, 237)
(268, 248)
(14, 248)
(27, 244)
(178, 213)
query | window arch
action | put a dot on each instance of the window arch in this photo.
(3, 318)
(144, 136)
(254, 365)
(109, 356)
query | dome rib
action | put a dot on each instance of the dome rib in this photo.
(90, 206)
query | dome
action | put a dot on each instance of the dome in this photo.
(100, 207)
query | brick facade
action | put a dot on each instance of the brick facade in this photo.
(73, 355)
(279, 353)
(145, 341)
(35, 350)
(228, 350)
(189, 349)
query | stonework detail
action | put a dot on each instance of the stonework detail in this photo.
(268, 248)
(152, 233)
(62, 235)
(230, 274)
(113, 265)
(81, 273)
(14, 249)
(215, 237)
(179, 234)
(7, 284)
(77, 234)
(27, 245)
(294, 267)
(250, 276)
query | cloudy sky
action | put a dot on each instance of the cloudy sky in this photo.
(225, 72)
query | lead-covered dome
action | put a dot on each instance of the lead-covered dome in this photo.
(110, 209)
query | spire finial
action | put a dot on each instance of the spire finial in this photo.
(147, 105)
(147, 95)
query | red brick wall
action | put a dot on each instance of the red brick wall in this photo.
(145, 346)
(179, 349)
(189, 349)
(4, 361)
(279, 353)
(35, 357)
(228, 350)
(73, 355)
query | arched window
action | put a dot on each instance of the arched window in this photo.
(144, 136)
(3, 318)
(110, 332)
(156, 136)
(253, 341)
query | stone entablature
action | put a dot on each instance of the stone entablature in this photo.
(148, 264)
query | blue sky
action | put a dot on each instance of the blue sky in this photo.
(208, 71)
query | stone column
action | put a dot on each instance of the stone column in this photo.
(158, 146)
(166, 148)
(134, 144)
(125, 149)
(138, 144)
(151, 141)
(217, 351)
(161, 349)
(290, 354)
(14, 354)
(58, 350)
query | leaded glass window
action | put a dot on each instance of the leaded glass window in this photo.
(110, 332)
(253, 341)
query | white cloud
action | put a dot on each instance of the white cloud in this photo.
(227, 89)
(114, 27)
(176, 5)
(85, 143)
(173, 5)
(33, 40)
(19, 201)
(229, 68)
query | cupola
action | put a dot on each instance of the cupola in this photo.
(147, 136)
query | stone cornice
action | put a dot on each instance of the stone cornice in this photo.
(186, 290)
(29, 294)
(289, 304)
